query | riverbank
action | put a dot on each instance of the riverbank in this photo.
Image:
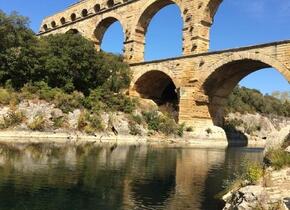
(264, 186)
(24, 137)
(272, 192)
(39, 121)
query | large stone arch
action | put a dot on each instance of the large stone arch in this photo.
(143, 19)
(102, 26)
(155, 85)
(210, 10)
(227, 73)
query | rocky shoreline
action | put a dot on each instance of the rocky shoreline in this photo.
(80, 138)
(272, 192)
(38, 121)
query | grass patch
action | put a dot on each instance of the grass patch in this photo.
(164, 124)
(90, 123)
(134, 129)
(249, 174)
(38, 123)
(277, 158)
(11, 119)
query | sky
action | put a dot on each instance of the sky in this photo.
(237, 23)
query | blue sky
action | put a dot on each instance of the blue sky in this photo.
(237, 23)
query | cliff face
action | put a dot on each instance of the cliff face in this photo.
(267, 130)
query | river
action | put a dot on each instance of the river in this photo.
(111, 177)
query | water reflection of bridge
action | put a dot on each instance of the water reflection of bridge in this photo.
(134, 176)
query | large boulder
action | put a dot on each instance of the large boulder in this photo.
(269, 130)
(147, 105)
(248, 197)
(119, 124)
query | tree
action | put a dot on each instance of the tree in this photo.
(66, 61)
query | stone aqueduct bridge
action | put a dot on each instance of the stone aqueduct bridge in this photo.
(201, 80)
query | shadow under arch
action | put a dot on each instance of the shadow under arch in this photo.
(159, 87)
(149, 11)
(102, 27)
(226, 74)
(156, 85)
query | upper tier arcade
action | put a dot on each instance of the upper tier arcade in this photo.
(91, 18)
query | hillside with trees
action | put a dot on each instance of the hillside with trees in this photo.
(245, 100)
(66, 72)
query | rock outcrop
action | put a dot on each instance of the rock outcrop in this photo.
(272, 193)
(270, 131)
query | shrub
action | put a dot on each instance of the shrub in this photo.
(69, 102)
(12, 118)
(89, 129)
(162, 124)
(119, 102)
(102, 99)
(44, 92)
(90, 123)
(253, 172)
(82, 121)
(5, 96)
(95, 121)
(58, 122)
(38, 123)
(134, 129)
(180, 130)
(94, 101)
(137, 119)
(277, 158)
(168, 126)
(152, 119)
(249, 173)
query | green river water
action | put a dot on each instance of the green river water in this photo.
(87, 177)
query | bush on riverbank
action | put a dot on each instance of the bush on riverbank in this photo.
(162, 123)
(277, 158)
(12, 118)
(249, 174)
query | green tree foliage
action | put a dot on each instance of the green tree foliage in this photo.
(66, 61)
(64, 69)
(245, 100)
(16, 48)
(14, 31)
(71, 62)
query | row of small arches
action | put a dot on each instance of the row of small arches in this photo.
(73, 17)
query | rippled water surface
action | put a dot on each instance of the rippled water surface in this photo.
(113, 177)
